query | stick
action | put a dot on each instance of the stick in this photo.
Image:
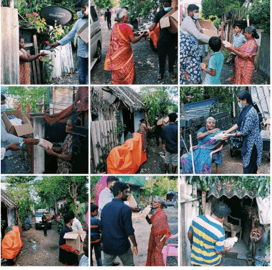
(192, 152)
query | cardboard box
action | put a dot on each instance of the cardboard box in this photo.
(21, 130)
(83, 33)
(45, 144)
(75, 239)
(170, 21)
(207, 28)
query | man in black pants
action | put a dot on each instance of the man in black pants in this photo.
(158, 129)
(107, 16)
(167, 43)
(44, 221)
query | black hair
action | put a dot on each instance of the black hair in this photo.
(93, 207)
(108, 9)
(245, 95)
(3, 97)
(67, 218)
(72, 214)
(215, 43)
(74, 120)
(111, 179)
(118, 186)
(157, 115)
(142, 120)
(252, 30)
(238, 25)
(221, 210)
(172, 117)
(192, 7)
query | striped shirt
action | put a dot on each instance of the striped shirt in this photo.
(208, 237)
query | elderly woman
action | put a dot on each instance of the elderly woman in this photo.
(190, 55)
(206, 144)
(119, 58)
(143, 129)
(64, 153)
(244, 62)
(247, 126)
(25, 58)
(160, 232)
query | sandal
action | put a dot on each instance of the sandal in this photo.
(172, 75)
(159, 76)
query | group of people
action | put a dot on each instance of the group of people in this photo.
(68, 255)
(169, 136)
(115, 225)
(82, 48)
(243, 51)
(248, 127)
(119, 59)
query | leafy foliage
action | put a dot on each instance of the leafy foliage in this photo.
(159, 100)
(120, 127)
(102, 4)
(260, 11)
(141, 8)
(94, 181)
(259, 184)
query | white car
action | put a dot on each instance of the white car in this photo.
(96, 38)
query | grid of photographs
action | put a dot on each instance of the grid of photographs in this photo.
(135, 133)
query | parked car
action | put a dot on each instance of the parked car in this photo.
(96, 38)
(38, 219)
(171, 198)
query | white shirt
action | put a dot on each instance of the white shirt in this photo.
(76, 225)
(3, 151)
(105, 197)
(188, 27)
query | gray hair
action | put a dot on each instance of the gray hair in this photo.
(122, 12)
(252, 30)
(210, 118)
(161, 201)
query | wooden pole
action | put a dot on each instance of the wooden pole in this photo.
(151, 190)
(192, 152)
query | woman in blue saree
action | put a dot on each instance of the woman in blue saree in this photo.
(206, 144)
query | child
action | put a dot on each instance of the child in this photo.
(237, 40)
(95, 235)
(216, 62)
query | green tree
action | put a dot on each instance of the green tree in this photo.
(141, 8)
(103, 4)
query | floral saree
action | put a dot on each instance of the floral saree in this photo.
(155, 245)
(245, 66)
(24, 69)
(119, 58)
(202, 159)
(64, 166)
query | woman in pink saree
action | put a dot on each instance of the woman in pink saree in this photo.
(244, 62)
(119, 58)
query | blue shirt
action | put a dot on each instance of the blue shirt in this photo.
(208, 238)
(216, 62)
(116, 226)
(170, 135)
(95, 228)
(82, 47)
(7, 138)
(237, 41)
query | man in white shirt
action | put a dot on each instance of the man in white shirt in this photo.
(106, 195)
(76, 226)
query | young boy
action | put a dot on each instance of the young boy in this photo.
(237, 40)
(216, 62)
(95, 235)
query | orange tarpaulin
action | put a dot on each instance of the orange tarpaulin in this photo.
(127, 158)
(12, 243)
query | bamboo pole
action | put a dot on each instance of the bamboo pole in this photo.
(192, 152)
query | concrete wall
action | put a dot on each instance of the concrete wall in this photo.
(38, 152)
(264, 56)
(138, 115)
(11, 217)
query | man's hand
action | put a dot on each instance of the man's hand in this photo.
(13, 147)
(54, 45)
(77, 252)
(135, 209)
(135, 250)
(203, 66)
(226, 249)
(163, 146)
(31, 141)
(101, 245)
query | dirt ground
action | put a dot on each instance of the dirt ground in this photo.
(39, 250)
(142, 232)
(155, 163)
(227, 72)
(146, 62)
(17, 163)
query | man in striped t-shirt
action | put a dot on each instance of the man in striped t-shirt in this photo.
(207, 236)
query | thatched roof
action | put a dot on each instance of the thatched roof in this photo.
(7, 200)
(110, 94)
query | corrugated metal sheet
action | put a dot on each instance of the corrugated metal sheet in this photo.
(9, 46)
(134, 180)
(229, 190)
(261, 96)
(102, 133)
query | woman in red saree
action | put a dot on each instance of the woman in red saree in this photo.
(244, 62)
(119, 58)
(160, 232)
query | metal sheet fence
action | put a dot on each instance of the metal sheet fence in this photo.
(103, 139)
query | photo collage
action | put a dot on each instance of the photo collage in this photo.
(135, 133)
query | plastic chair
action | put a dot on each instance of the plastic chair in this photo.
(170, 250)
(211, 155)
